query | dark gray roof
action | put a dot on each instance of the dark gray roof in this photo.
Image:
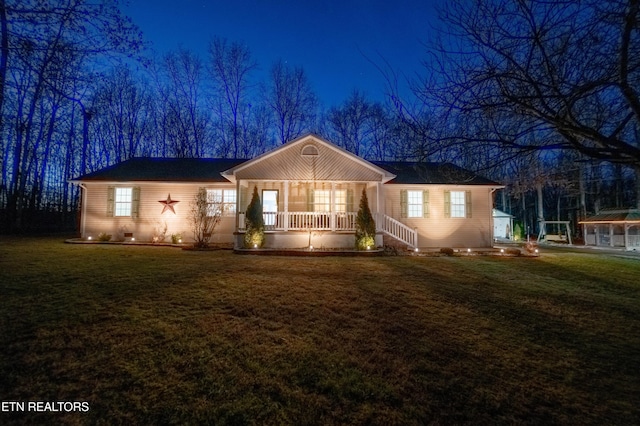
(164, 169)
(209, 169)
(408, 172)
(614, 215)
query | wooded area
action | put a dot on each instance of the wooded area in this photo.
(541, 96)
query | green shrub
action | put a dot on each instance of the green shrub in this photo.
(103, 236)
(513, 251)
(365, 225)
(176, 238)
(254, 222)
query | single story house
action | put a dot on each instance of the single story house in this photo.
(310, 191)
(613, 228)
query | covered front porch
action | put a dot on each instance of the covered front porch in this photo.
(309, 190)
(300, 214)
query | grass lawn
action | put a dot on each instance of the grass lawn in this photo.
(157, 335)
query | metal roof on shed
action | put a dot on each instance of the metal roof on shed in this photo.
(618, 215)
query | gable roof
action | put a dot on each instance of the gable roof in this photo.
(412, 172)
(309, 158)
(164, 169)
(291, 161)
(614, 215)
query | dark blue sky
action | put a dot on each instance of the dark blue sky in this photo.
(329, 38)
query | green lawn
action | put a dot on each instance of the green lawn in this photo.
(157, 335)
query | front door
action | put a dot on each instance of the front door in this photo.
(269, 207)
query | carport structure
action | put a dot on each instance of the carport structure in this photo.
(613, 228)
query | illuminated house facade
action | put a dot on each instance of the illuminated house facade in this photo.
(310, 191)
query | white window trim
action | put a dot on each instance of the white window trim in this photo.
(458, 204)
(122, 203)
(415, 209)
(220, 196)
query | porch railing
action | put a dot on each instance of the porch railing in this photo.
(304, 221)
(397, 230)
(633, 240)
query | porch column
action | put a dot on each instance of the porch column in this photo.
(286, 205)
(611, 234)
(238, 204)
(379, 208)
(626, 237)
(332, 215)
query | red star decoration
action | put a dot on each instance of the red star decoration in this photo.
(168, 204)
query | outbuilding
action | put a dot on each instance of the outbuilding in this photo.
(613, 228)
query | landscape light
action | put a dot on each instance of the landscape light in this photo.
(368, 247)
(133, 239)
(468, 250)
(255, 246)
(180, 240)
(536, 250)
(89, 238)
(417, 249)
(310, 247)
(501, 250)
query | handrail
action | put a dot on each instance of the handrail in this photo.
(397, 230)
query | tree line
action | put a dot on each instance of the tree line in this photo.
(540, 96)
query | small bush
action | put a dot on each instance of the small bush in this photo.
(513, 251)
(103, 236)
(447, 250)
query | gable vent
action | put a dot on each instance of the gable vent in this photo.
(309, 150)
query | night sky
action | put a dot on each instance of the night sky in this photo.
(328, 38)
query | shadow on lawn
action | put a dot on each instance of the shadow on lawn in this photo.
(550, 347)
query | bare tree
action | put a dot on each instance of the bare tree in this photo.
(567, 71)
(122, 115)
(292, 101)
(179, 86)
(230, 66)
(204, 216)
(349, 122)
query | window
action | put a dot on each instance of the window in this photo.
(224, 199)
(340, 200)
(457, 204)
(322, 200)
(414, 203)
(123, 200)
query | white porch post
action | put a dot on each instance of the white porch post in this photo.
(238, 204)
(597, 229)
(286, 205)
(378, 214)
(611, 234)
(332, 215)
(626, 237)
